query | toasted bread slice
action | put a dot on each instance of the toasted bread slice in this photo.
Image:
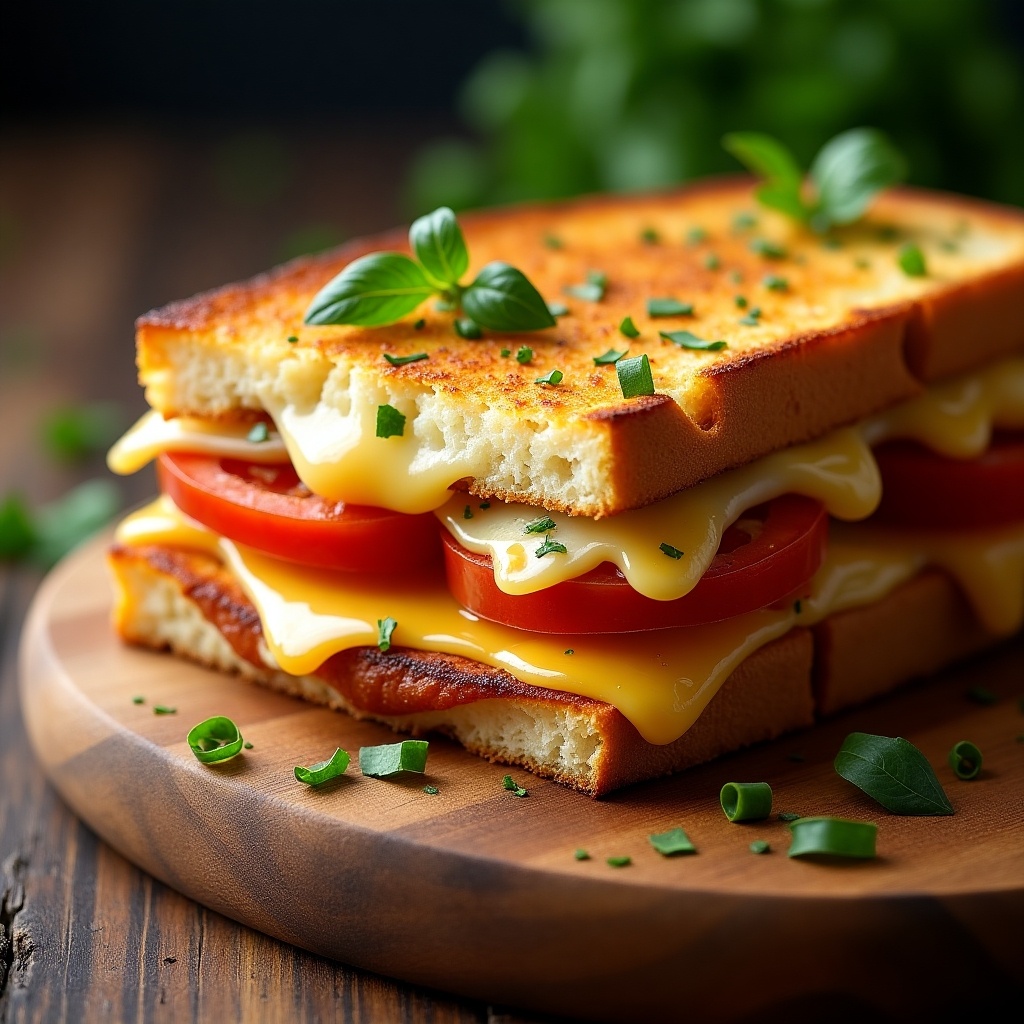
(842, 332)
(188, 602)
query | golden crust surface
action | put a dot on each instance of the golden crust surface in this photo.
(849, 334)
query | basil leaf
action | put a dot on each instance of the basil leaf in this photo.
(849, 171)
(771, 160)
(372, 291)
(439, 245)
(502, 299)
(892, 771)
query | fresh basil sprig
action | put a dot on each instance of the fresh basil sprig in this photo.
(848, 172)
(892, 771)
(383, 287)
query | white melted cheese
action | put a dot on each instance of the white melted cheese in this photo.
(661, 680)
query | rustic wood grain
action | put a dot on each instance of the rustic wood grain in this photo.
(449, 890)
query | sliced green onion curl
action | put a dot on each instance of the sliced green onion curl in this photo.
(746, 801)
(965, 760)
(832, 837)
(392, 758)
(315, 774)
(216, 739)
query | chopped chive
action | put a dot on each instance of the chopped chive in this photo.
(611, 357)
(258, 433)
(385, 627)
(581, 854)
(550, 547)
(981, 695)
(552, 377)
(485, 505)
(524, 355)
(668, 307)
(965, 760)
(911, 260)
(619, 862)
(420, 324)
(712, 262)
(832, 837)
(788, 816)
(390, 422)
(323, 771)
(558, 309)
(215, 739)
(775, 283)
(649, 236)
(746, 801)
(759, 846)
(744, 222)
(670, 551)
(542, 525)
(512, 786)
(468, 329)
(553, 242)
(628, 329)
(696, 235)
(741, 301)
(247, 745)
(467, 513)
(672, 842)
(431, 790)
(292, 339)
(635, 376)
(392, 758)
(569, 650)
(505, 353)
(687, 339)
(138, 700)
(768, 250)
(402, 360)
(163, 709)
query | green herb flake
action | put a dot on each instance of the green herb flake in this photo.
(553, 377)
(163, 709)
(775, 283)
(611, 357)
(138, 699)
(550, 547)
(965, 760)
(558, 309)
(649, 236)
(982, 695)
(689, 340)
(619, 862)
(672, 552)
(741, 301)
(385, 627)
(696, 235)
(712, 262)
(324, 771)
(768, 250)
(542, 525)
(746, 801)
(247, 745)
(524, 355)
(628, 329)
(892, 771)
(258, 433)
(553, 242)
(592, 290)
(215, 739)
(832, 837)
(911, 260)
(668, 307)
(569, 651)
(390, 422)
(484, 505)
(431, 790)
(788, 816)
(672, 842)
(505, 353)
(510, 784)
(468, 329)
(635, 377)
(419, 324)
(759, 846)
(292, 339)
(403, 360)
(467, 513)
(393, 758)
(581, 854)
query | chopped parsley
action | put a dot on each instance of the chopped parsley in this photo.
(542, 525)
(552, 377)
(292, 339)
(390, 422)
(431, 790)
(258, 433)
(524, 355)
(550, 547)
(512, 786)
(392, 758)
(775, 283)
(741, 301)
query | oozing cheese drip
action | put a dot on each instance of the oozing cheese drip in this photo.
(660, 681)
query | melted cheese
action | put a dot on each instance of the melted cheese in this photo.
(660, 680)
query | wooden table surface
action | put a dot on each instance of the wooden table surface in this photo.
(97, 225)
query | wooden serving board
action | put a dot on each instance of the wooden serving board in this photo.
(477, 892)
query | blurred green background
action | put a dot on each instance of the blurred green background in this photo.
(631, 94)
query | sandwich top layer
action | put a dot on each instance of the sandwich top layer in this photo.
(841, 331)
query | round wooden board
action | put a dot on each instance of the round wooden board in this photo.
(478, 892)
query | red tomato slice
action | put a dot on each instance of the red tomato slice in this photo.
(923, 489)
(769, 555)
(268, 508)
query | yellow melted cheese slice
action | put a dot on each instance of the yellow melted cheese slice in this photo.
(660, 680)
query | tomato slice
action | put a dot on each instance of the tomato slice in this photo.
(768, 556)
(923, 489)
(268, 508)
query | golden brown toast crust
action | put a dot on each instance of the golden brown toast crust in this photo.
(849, 335)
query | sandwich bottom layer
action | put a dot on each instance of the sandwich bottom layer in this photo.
(188, 602)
